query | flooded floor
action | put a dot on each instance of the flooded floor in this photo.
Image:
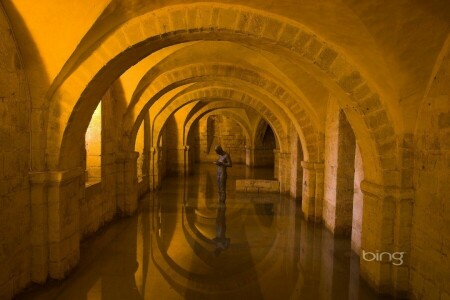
(183, 244)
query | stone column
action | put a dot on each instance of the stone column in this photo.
(284, 171)
(187, 161)
(39, 227)
(153, 168)
(146, 162)
(308, 190)
(55, 235)
(340, 145)
(127, 182)
(276, 163)
(312, 191)
(249, 156)
(318, 168)
(176, 160)
(386, 227)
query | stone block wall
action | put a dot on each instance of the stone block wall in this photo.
(91, 207)
(339, 171)
(139, 147)
(214, 130)
(430, 243)
(15, 206)
(295, 164)
(98, 206)
(111, 110)
(93, 141)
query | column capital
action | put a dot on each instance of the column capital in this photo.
(381, 191)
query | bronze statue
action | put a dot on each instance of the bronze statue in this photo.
(223, 162)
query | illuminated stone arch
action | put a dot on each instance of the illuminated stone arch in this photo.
(232, 114)
(258, 130)
(238, 97)
(75, 94)
(226, 108)
(312, 140)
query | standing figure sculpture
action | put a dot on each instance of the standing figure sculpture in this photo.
(223, 162)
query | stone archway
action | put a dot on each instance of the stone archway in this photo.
(231, 23)
(75, 94)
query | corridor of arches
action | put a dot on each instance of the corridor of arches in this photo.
(336, 116)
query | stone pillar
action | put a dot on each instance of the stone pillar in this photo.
(284, 171)
(55, 235)
(312, 191)
(276, 163)
(318, 168)
(340, 145)
(176, 160)
(39, 227)
(146, 156)
(386, 227)
(249, 156)
(153, 169)
(308, 190)
(127, 182)
(187, 161)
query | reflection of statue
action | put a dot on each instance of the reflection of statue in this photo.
(221, 241)
(222, 163)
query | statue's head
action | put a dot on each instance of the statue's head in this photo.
(219, 150)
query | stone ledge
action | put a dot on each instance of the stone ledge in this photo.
(257, 186)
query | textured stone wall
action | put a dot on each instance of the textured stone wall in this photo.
(112, 109)
(295, 163)
(142, 146)
(215, 130)
(430, 245)
(173, 147)
(15, 250)
(339, 171)
(93, 141)
(357, 203)
(91, 209)
(139, 147)
(98, 205)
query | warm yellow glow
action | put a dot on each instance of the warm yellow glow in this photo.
(56, 27)
(94, 146)
(133, 75)
(139, 147)
(95, 292)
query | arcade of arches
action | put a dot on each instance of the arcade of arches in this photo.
(341, 106)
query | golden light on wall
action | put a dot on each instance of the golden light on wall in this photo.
(94, 146)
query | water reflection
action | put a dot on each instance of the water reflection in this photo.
(184, 245)
(221, 241)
